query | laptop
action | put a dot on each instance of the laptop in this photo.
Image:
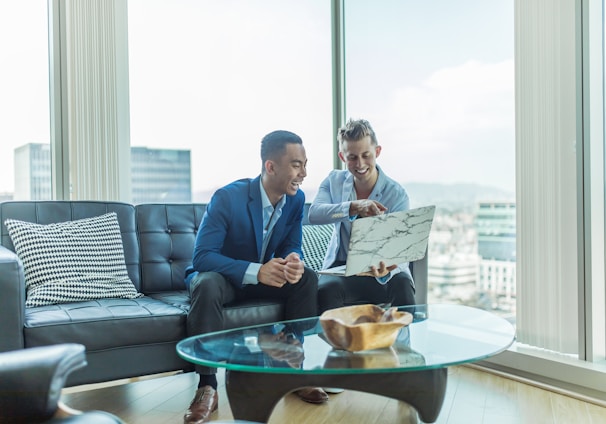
(393, 238)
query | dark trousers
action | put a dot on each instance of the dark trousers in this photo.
(335, 291)
(210, 291)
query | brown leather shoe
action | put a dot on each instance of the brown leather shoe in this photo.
(312, 394)
(205, 403)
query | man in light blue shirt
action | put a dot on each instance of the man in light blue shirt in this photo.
(345, 195)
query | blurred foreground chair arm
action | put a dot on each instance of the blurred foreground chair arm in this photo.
(31, 381)
(12, 301)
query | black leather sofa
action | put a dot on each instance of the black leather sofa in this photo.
(128, 337)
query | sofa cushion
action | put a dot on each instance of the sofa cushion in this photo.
(315, 242)
(106, 324)
(72, 261)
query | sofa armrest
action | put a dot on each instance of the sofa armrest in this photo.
(419, 271)
(31, 380)
(12, 300)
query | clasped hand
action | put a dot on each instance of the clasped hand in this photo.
(279, 271)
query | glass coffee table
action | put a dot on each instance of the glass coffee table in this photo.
(266, 362)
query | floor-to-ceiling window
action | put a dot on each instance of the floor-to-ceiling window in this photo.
(208, 79)
(25, 171)
(436, 80)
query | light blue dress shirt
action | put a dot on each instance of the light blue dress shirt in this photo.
(270, 217)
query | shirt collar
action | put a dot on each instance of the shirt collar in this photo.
(265, 199)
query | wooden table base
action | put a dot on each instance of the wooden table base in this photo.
(253, 396)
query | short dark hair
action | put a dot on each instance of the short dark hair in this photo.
(274, 143)
(356, 129)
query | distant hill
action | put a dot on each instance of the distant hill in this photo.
(455, 196)
(451, 197)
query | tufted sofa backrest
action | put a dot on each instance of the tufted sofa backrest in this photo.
(159, 238)
(167, 233)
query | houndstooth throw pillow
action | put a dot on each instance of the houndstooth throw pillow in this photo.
(72, 261)
(315, 242)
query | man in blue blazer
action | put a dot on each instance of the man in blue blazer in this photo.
(362, 190)
(248, 247)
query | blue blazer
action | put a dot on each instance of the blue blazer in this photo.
(230, 236)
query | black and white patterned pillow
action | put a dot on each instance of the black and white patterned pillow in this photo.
(315, 242)
(72, 261)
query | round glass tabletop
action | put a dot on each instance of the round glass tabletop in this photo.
(439, 336)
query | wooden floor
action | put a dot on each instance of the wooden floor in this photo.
(472, 397)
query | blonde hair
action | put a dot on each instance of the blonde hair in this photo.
(356, 129)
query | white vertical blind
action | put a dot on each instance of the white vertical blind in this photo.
(547, 280)
(94, 71)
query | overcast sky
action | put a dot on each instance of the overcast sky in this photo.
(449, 118)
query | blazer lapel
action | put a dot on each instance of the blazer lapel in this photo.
(347, 188)
(255, 210)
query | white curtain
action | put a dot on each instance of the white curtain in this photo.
(94, 98)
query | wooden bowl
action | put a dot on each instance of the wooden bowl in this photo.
(363, 327)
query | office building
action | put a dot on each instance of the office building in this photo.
(32, 172)
(496, 228)
(453, 277)
(158, 175)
